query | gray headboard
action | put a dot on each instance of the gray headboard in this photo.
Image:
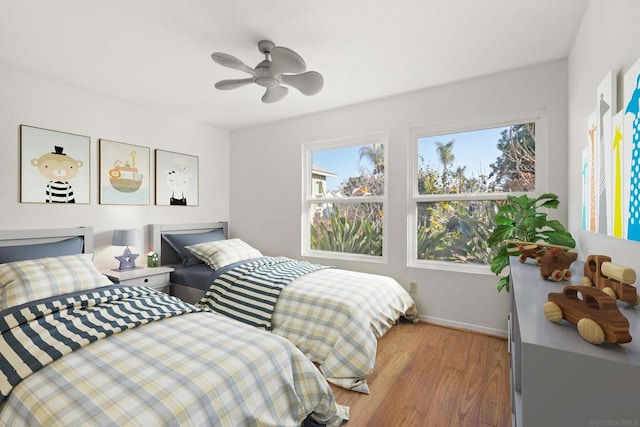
(48, 235)
(167, 255)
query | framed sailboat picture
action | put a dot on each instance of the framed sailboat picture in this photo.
(124, 173)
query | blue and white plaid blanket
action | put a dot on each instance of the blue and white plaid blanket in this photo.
(35, 335)
(334, 316)
(249, 292)
(189, 370)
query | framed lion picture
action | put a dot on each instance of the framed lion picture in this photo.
(124, 173)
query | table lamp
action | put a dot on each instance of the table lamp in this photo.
(126, 238)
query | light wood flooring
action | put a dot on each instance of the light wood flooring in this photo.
(428, 375)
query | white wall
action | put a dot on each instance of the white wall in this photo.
(266, 179)
(607, 40)
(31, 100)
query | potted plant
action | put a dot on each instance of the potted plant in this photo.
(520, 218)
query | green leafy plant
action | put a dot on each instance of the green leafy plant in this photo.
(520, 218)
(348, 235)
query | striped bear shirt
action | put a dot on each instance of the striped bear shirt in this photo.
(60, 192)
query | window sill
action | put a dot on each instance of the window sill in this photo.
(344, 256)
(451, 266)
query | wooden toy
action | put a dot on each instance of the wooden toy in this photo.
(595, 314)
(613, 279)
(554, 260)
(556, 264)
(527, 250)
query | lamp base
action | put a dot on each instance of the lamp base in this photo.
(127, 269)
(127, 261)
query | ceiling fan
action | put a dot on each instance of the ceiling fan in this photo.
(281, 66)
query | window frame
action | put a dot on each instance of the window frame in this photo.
(539, 117)
(308, 199)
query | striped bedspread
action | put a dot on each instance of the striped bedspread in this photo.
(36, 335)
(334, 316)
(249, 292)
(192, 369)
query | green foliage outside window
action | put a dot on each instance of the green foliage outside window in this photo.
(346, 233)
(459, 230)
(447, 229)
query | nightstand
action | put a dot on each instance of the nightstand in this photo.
(154, 277)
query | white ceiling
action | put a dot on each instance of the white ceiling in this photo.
(156, 53)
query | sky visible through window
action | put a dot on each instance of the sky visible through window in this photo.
(475, 149)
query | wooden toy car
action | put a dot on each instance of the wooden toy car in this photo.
(527, 250)
(613, 279)
(554, 260)
(556, 264)
(594, 313)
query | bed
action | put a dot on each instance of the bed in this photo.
(334, 316)
(76, 349)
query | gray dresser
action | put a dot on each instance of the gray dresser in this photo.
(559, 379)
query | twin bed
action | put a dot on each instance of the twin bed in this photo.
(76, 349)
(333, 316)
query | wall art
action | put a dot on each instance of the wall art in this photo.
(619, 187)
(605, 105)
(54, 166)
(592, 173)
(176, 179)
(631, 108)
(124, 173)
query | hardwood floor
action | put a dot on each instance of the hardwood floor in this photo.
(428, 375)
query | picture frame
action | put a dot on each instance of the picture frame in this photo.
(124, 173)
(54, 166)
(177, 179)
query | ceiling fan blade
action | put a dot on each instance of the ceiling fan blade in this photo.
(233, 83)
(232, 62)
(284, 60)
(274, 94)
(308, 83)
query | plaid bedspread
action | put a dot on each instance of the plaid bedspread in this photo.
(193, 369)
(249, 292)
(336, 316)
(36, 335)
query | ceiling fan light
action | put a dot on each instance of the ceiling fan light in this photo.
(270, 73)
(267, 81)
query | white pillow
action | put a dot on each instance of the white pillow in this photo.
(30, 280)
(219, 253)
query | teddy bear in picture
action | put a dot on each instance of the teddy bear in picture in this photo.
(59, 168)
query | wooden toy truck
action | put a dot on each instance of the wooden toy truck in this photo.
(554, 260)
(613, 279)
(596, 315)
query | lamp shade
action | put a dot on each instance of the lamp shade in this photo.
(126, 237)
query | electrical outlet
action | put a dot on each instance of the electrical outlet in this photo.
(413, 287)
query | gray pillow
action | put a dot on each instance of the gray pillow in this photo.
(41, 250)
(179, 241)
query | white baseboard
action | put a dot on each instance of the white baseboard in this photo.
(461, 325)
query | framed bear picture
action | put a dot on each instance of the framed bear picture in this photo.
(176, 179)
(54, 166)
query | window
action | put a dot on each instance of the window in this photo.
(344, 198)
(460, 174)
